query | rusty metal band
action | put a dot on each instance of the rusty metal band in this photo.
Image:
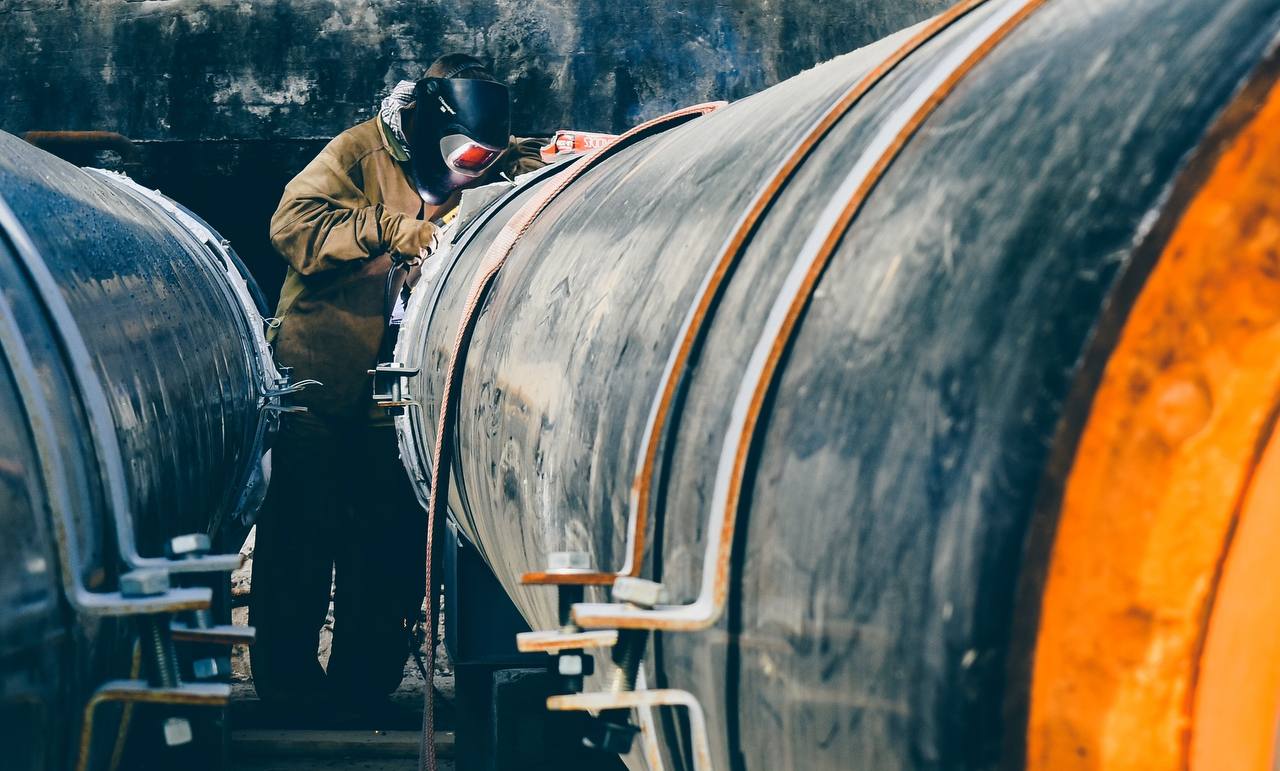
(780, 327)
(798, 301)
(697, 321)
(495, 257)
(468, 234)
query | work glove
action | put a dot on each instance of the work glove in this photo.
(428, 239)
(432, 245)
(524, 154)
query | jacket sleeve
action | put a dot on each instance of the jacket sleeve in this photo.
(325, 221)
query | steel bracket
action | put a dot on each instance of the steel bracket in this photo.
(223, 634)
(596, 703)
(558, 641)
(389, 390)
(140, 692)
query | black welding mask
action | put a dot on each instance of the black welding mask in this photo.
(460, 127)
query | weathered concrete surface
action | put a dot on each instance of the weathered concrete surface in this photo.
(230, 98)
(203, 69)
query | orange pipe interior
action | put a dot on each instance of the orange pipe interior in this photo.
(1237, 695)
(1143, 578)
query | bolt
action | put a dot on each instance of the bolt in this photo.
(192, 546)
(211, 667)
(164, 661)
(568, 560)
(570, 664)
(640, 592)
(154, 630)
(177, 730)
(610, 734)
(189, 546)
(629, 651)
(144, 583)
(568, 594)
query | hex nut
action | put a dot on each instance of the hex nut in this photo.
(147, 582)
(177, 731)
(638, 591)
(609, 736)
(569, 665)
(189, 545)
(568, 560)
(210, 667)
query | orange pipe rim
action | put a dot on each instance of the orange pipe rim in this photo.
(1154, 648)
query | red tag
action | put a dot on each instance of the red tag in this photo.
(574, 143)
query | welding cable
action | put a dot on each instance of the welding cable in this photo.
(495, 257)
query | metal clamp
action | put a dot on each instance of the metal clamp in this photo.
(643, 700)
(389, 387)
(141, 692)
(202, 629)
(568, 643)
(270, 402)
(611, 730)
(291, 388)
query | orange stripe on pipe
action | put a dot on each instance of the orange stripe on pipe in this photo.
(801, 299)
(780, 326)
(695, 324)
(1165, 460)
(494, 259)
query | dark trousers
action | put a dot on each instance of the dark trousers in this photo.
(339, 501)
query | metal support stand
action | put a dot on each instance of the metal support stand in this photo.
(609, 727)
(200, 628)
(142, 692)
(604, 702)
(569, 572)
(501, 688)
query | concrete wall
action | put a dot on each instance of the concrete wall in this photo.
(229, 98)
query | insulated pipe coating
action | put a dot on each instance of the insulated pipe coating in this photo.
(1022, 404)
(902, 479)
(137, 394)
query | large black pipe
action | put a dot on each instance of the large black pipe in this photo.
(136, 396)
(869, 615)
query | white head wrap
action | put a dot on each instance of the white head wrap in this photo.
(400, 98)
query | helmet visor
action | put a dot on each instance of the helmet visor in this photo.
(466, 156)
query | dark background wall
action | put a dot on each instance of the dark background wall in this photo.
(226, 99)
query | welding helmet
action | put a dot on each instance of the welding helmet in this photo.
(460, 127)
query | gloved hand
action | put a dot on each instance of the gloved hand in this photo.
(428, 241)
(432, 245)
(524, 154)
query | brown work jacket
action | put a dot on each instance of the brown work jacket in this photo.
(337, 225)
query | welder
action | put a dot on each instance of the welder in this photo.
(340, 509)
